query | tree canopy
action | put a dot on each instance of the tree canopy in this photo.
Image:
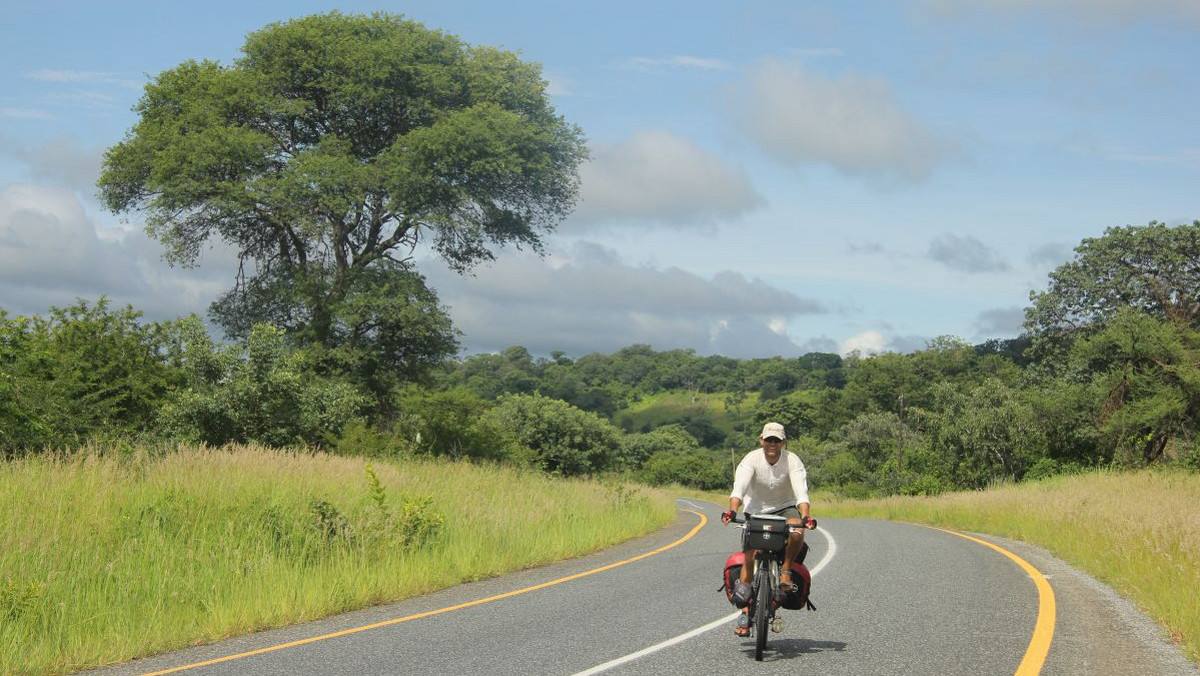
(1154, 268)
(332, 149)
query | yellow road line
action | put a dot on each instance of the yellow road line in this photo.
(1043, 630)
(429, 613)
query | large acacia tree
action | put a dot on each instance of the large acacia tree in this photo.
(1120, 322)
(328, 153)
(1154, 268)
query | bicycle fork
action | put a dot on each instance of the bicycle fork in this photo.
(768, 574)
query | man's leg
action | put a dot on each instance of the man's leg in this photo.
(795, 543)
(748, 567)
(747, 576)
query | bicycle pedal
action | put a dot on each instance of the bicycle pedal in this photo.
(776, 624)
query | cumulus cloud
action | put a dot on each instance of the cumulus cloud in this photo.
(1004, 322)
(63, 160)
(51, 253)
(659, 176)
(852, 123)
(588, 300)
(965, 254)
(865, 343)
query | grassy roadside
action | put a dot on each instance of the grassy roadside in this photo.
(1138, 532)
(104, 559)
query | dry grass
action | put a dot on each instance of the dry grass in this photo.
(108, 558)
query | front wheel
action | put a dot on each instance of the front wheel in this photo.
(762, 612)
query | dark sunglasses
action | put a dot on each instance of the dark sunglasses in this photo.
(773, 440)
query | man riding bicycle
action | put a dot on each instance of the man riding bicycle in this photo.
(772, 480)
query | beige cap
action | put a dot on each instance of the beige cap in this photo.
(772, 430)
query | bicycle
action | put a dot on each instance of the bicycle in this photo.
(768, 534)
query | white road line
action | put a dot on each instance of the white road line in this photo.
(708, 627)
(691, 504)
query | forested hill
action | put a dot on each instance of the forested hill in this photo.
(1107, 374)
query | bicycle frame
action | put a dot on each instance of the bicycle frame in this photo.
(763, 606)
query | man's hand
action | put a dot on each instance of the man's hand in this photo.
(727, 516)
(809, 522)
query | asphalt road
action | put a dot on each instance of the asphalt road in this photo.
(891, 599)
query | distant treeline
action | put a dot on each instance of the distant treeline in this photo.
(1108, 372)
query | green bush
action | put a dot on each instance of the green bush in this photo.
(557, 437)
(695, 469)
(921, 484)
(448, 423)
(840, 469)
(261, 391)
(82, 371)
(359, 438)
(636, 449)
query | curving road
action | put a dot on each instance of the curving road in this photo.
(892, 599)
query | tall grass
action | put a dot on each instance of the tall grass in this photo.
(103, 559)
(1138, 532)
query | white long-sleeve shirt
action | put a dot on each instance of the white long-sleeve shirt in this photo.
(763, 487)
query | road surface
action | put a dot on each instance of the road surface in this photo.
(891, 599)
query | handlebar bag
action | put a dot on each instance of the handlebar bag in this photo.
(766, 532)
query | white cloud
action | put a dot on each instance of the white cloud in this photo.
(659, 176)
(51, 253)
(865, 343)
(588, 300)
(853, 123)
(61, 160)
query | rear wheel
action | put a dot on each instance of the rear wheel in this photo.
(762, 611)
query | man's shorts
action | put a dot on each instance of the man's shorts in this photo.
(787, 512)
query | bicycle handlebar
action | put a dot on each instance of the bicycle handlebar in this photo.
(741, 522)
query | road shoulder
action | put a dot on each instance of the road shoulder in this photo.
(1098, 631)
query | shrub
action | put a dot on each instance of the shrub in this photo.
(448, 423)
(636, 449)
(81, 371)
(261, 391)
(558, 438)
(695, 469)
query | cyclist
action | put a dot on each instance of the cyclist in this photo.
(770, 479)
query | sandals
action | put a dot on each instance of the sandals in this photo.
(743, 626)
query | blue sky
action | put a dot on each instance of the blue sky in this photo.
(766, 177)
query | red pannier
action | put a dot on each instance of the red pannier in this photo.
(795, 600)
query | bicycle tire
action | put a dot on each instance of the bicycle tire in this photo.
(762, 614)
